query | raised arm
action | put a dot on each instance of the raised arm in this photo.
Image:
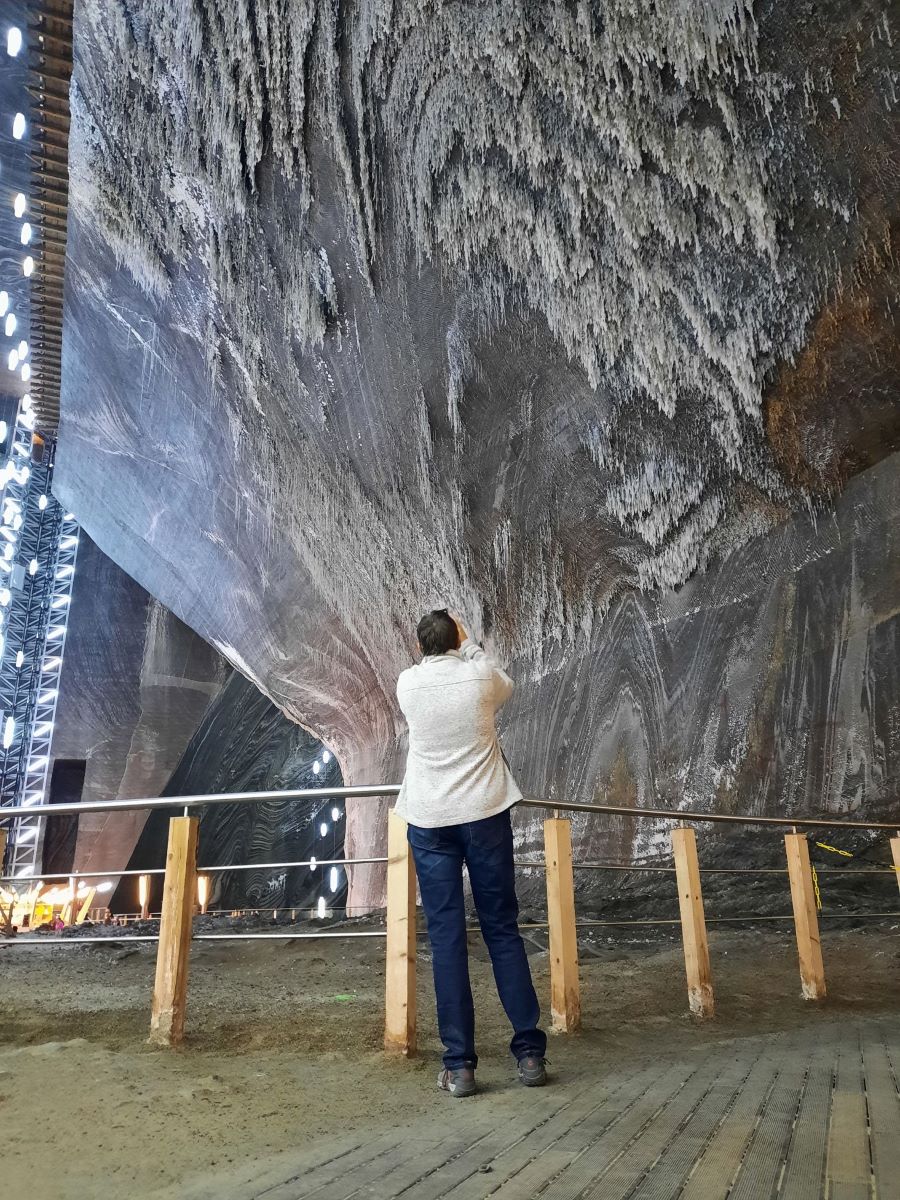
(503, 685)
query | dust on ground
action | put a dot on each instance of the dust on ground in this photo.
(284, 1043)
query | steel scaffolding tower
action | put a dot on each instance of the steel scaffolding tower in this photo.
(38, 545)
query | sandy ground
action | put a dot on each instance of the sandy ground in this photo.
(284, 1045)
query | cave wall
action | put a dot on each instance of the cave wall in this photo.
(244, 744)
(135, 683)
(551, 312)
(768, 685)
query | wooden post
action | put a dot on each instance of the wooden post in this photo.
(84, 910)
(895, 851)
(693, 923)
(565, 992)
(806, 923)
(400, 953)
(173, 952)
(5, 917)
(68, 909)
(144, 896)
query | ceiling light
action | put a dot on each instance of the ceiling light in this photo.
(25, 372)
(320, 907)
(326, 756)
(13, 359)
(20, 658)
(9, 732)
(335, 814)
(33, 567)
(333, 879)
(19, 204)
(323, 828)
(23, 349)
(19, 126)
(317, 767)
(26, 402)
(27, 266)
(26, 234)
(14, 41)
(10, 326)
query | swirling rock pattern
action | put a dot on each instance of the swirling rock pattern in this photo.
(535, 309)
(244, 744)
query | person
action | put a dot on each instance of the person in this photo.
(455, 798)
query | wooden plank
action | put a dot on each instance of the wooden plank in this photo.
(565, 991)
(806, 922)
(622, 1154)
(173, 952)
(762, 1164)
(536, 1158)
(718, 1166)
(400, 950)
(848, 1172)
(804, 1173)
(439, 1176)
(693, 923)
(884, 1117)
(666, 1177)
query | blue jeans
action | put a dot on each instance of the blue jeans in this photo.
(486, 848)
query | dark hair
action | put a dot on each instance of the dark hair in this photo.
(437, 632)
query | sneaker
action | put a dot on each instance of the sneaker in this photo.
(532, 1071)
(457, 1083)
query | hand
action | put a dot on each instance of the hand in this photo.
(460, 629)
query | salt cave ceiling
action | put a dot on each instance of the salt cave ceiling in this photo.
(509, 306)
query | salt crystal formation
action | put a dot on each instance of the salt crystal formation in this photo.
(522, 307)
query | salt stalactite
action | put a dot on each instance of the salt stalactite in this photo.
(606, 166)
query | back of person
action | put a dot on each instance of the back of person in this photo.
(455, 770)
(456, 797)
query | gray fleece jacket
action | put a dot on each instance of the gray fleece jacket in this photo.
(454, 770)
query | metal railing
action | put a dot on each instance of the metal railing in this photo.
(362, 791)
(559, 866)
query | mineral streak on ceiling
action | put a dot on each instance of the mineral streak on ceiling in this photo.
(374, 305)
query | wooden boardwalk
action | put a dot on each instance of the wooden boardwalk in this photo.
(808, 1115)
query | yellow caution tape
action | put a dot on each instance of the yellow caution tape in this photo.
(834, 849)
